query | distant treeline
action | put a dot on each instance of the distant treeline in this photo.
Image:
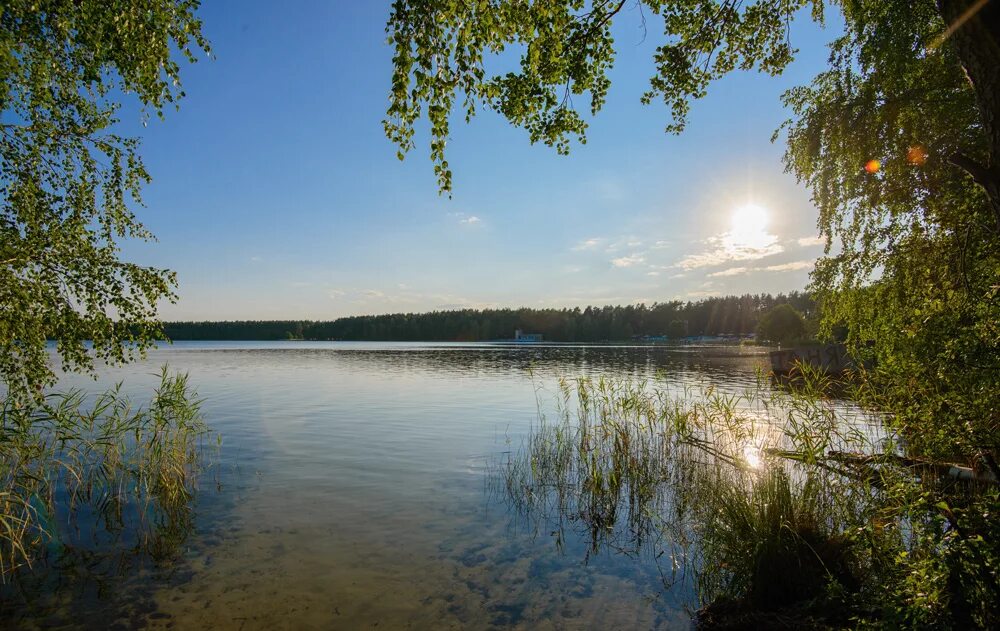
(729, 315)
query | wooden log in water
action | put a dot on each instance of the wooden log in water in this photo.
(943, 469)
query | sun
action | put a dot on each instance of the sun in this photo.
(749, 219)
(748, 226)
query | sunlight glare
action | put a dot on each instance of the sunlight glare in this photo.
(752, 457)
(748, 226)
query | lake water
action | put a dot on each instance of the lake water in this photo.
(352, 490)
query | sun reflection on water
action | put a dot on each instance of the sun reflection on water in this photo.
(752, 457)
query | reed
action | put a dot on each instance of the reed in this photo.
(75, 467)
(774, 500)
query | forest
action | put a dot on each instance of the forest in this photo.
(726, 315)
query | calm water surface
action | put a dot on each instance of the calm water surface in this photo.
(351, 491)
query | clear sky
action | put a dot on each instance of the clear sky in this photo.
(276, 195)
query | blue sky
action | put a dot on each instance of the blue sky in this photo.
(276, 195)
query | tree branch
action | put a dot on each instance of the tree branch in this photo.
(986, 177)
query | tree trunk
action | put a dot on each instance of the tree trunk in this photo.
(975, 26)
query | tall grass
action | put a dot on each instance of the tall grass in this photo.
(772, 498)
(74, 470)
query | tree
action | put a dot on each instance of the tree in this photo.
(899, 142)
(782, 324)
(914, 276)
(567, 49)
(70, 181)
(677, 329)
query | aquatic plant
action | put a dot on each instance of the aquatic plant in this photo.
(782, 503)
(78, 470)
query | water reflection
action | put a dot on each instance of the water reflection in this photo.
(353, 479)
(727, 487)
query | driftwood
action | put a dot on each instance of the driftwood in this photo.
(870, 461)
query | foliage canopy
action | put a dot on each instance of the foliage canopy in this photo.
(913, 244)
(566, 50)
(69, 181)
(911, 269)
(782, 324)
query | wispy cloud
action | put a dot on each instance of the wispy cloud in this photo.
(622, 243)
(809, 241)
(781, 267)
(466, 219)
(628, 261)
(732, 271)
(588, 244)
(788, 267)
(730, 248)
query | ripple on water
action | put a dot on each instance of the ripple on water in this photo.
(350, 491)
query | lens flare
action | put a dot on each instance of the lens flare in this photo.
(872, 166)
(916, 155)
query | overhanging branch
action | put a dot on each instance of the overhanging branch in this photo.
(986, 177)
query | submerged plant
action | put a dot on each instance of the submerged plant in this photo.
(78, 472)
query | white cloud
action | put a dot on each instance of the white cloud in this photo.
(652, 273)
(781, 267)
(465, 219)
(732, 271)
(587, 244)
(628, 261)
(728, 248)
(787, 267)
(808, 241)
(256, 259)
(373, 293)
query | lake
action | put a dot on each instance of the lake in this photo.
(353, 490)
